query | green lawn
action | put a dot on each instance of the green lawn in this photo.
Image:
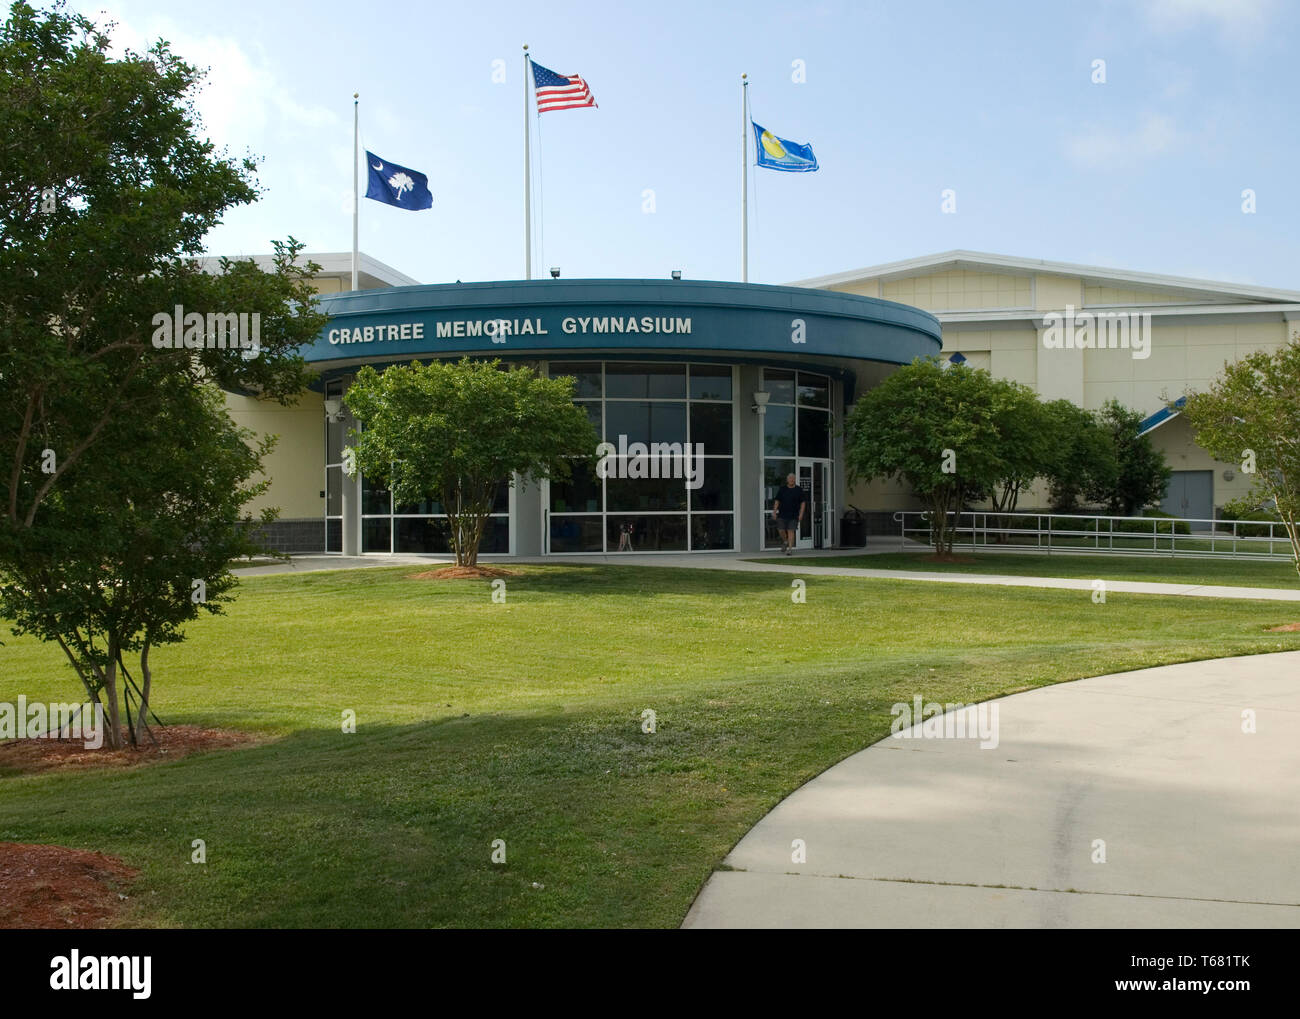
(521, 721)
(1160, 569)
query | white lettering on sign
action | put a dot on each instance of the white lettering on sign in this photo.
(497, 329)
(376, 334)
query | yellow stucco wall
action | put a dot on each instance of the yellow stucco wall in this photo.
(297, 464)
(1185, 355)
(959, 290)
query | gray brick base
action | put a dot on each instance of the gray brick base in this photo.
(294, 536)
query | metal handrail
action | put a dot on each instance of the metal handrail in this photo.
(991, 529)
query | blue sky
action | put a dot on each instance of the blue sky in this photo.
(901, 101)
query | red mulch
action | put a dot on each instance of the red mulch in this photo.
(463, 573)
(53, 887)
(1285, 628)
(174, 742)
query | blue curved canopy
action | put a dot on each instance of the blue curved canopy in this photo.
(575, 317)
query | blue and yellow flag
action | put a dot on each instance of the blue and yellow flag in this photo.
(778, 154)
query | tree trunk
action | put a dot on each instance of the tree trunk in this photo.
(146, 677)
(113, 738)
(92, 695)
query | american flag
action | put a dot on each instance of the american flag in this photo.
(560, 91)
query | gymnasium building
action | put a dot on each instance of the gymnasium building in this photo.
(760, 376)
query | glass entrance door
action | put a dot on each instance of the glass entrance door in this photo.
(815, 479)
(808, 473)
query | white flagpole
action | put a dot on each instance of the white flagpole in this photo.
(744, 178)
(528, 178)
(355, 187)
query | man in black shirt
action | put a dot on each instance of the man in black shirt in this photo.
(787, 511)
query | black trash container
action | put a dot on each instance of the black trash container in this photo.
(853, 530)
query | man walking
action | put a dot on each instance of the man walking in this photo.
(787, 511)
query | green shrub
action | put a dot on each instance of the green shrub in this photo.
(1167, 524)
(1236, 510)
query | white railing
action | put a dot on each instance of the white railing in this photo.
(1070, 532)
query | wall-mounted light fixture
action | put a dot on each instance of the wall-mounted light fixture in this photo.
(677, 274)
(760, 402)
(555, 272)
(333, 409)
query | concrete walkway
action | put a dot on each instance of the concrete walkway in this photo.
(798, 566)
(1201, 822)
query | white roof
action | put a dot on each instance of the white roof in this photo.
(371, 273)
(987, 262)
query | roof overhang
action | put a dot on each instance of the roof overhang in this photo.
(577, 318)
(1160, 417)
(981, 261)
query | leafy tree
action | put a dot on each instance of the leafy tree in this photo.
(937, 428)
(1081, 464)
(450, 432)
(106, 193)
(1141, 473)
(1023, 445)
(1251, 415)
(151, 554)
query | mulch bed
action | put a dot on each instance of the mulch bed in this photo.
(53, 887)
(1285, 628)
(174, 742)
(463, 573)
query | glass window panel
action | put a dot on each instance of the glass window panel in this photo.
(333, 491)
(665, 381)
(778, 431)
(780, 383)
(716, 491)
(642, 421)
(710, 382)
(711, 425)
(714, 531)
(334, 536)
(814, 390)
(774, 474)
(645, 494)
(580, 494)
(376, 534)
(577, 534)
(420, 509)
(334, 441)
(374, 497)
(501, 504)
(814, 432)
(592, 407)
(496, 536)
(586, 377)
(420, 535)
(646, 533)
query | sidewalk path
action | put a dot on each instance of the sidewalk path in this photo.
(736, 561)
(1200, 820)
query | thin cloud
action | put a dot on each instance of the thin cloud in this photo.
(1154, 135)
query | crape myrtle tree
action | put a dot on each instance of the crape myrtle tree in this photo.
(136, 543)
(107, 188)
(1081, 466)
(1141, 473)
(450, 432)
(1024, 443)
(1250, 415)
(946, 431)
